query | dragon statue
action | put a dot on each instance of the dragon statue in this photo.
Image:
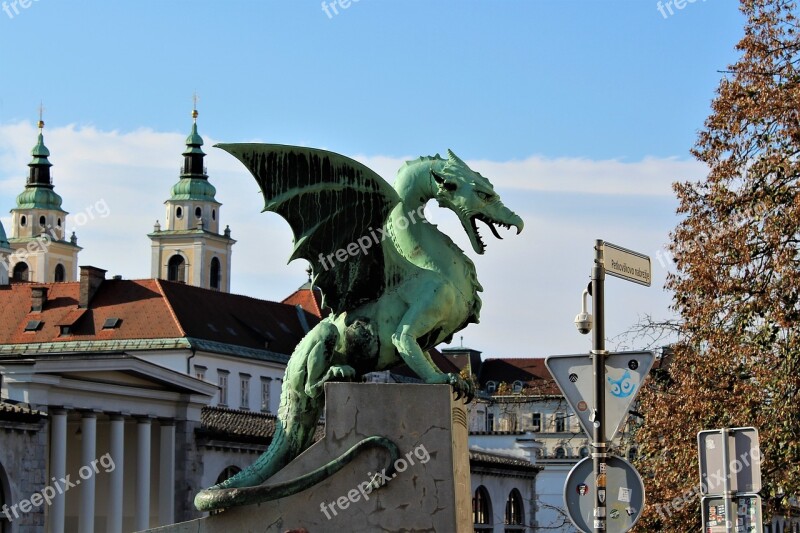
(395, 284)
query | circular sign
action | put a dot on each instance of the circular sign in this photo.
(623, 495)
(633, 364)
(582, 406)
(573, 377)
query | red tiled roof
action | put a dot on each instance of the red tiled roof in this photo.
(530, 371)
(151, 309)
(308, 299)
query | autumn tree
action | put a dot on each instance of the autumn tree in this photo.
(737, 282)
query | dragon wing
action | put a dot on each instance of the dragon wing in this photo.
(335, 206)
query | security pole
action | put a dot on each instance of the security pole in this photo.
(600, 454)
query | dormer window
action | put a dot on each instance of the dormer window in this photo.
(491, 387)
(516, 387)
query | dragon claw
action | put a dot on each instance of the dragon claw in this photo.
(461, 387)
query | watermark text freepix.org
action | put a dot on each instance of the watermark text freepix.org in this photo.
(59, 486)
(715, 480)
(375, 237)
(12, 7)
(41, 243)
(666, 6)
(375, 481)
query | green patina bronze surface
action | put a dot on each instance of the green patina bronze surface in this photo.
(395, 284)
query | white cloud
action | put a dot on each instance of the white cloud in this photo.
(532, 281)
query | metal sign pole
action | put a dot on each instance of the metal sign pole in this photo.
(600, 453)
(730, 513)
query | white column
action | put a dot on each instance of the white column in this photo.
(166, 477)
(143, 474)
(88, 454)
(115, 481)
(58, 465)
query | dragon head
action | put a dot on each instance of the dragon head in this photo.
(471, 197)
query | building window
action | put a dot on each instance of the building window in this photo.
(21, 271)
(178, 212)
(561, 453)
(561, 422)
(491, 387)
(228, 473)
(584, 452)
(482, 510)
(198, 212)
(215, 273)
(42, 221)
(58, 222)
(60, 275)
(223, 387)
(514, 515)
(490, 422)
(516, 387)
(265, 384)
(176, 269)
(200, 372)
(213, 214)
(244, 387)
(536, 422)
(23, 221)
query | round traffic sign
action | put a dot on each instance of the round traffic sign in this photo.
(620, 487)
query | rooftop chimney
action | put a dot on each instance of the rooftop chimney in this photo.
(91, 278)
(38, 298)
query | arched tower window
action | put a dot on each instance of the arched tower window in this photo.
(198, 212)
(42, 221)
(178, 212)
(228, 473)
(482, 510)
(60, 273)
(21, 271)
(176, 269)
(216, 272)
(514, 514)
(561, 453)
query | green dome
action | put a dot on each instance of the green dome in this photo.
(194, 142)
(40, 153)
(3, 239)
(194, 189)
(39, 198)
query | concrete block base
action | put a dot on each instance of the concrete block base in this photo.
(430, 492)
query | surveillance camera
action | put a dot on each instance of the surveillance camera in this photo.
(584, 319)
(583, 322)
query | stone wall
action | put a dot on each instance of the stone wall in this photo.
(23, 472)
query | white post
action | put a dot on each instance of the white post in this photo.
(58, 465)
(166, 478)
(115, 482)
(142, 521)
(86, 473)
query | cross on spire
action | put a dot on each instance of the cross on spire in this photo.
(195, 99)
(41, 114)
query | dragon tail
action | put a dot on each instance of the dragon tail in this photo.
(220, 498)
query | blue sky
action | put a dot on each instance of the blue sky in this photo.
(581, 112)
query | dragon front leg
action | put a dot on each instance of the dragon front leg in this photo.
(421, 318)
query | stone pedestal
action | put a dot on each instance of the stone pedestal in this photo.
(430, 492)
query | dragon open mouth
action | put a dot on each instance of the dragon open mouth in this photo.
(491, 223)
